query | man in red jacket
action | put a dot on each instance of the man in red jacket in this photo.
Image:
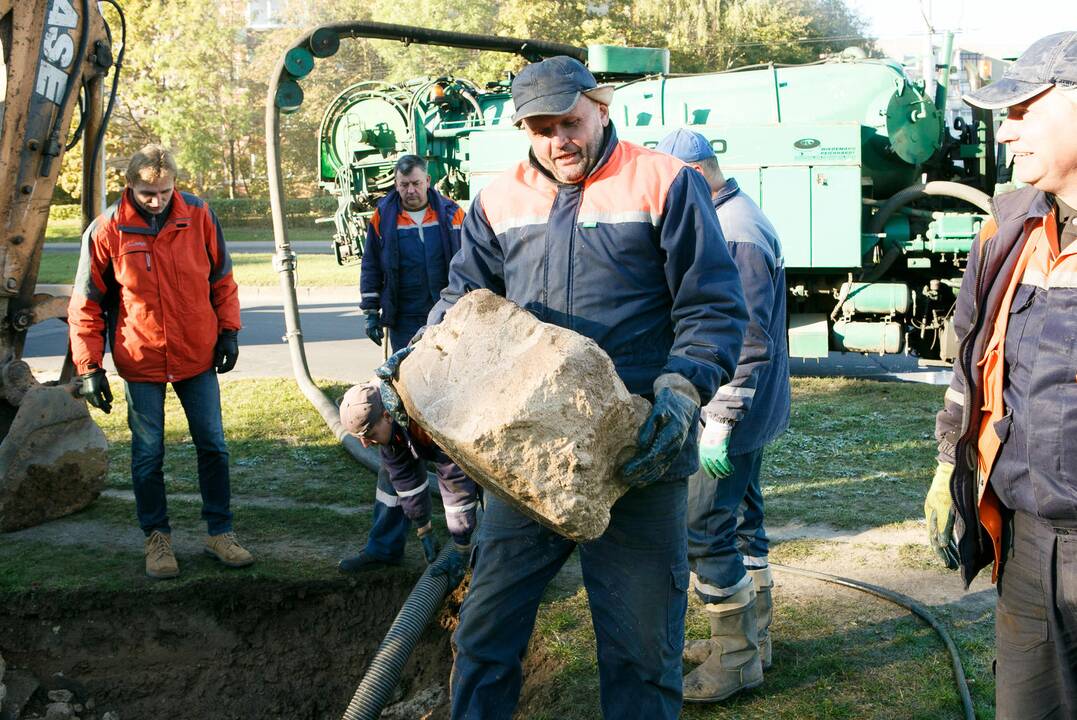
(156, 279)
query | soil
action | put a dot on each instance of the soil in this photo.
(258, 648)
(241, 649)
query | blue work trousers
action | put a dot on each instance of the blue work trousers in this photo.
(725, 528)
(636, 575)
(201, 400)
(389, 533)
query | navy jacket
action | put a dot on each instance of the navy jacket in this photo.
(757, 398)
(1042, 361)
(379, 275)
(632, 257)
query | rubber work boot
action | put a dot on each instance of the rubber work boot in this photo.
(363, 562)
(733, 664)
(160, 560)
(227, 549)
(764, 612)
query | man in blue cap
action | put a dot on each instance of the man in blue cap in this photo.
(620, 244)
(727, 545)
(1005, 489)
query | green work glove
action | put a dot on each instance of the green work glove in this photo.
(94, 387)
(674, 414)
(939, 512)
(373, 327)
(714, 448)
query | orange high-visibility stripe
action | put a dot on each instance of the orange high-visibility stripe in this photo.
(1034, 256)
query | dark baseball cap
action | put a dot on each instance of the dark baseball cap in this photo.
(1050, 61)
(361, 408)
(686, 145)
(553, 87)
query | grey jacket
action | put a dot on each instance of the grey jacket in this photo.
(757, 398)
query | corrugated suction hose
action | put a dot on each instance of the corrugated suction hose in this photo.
(377, 686)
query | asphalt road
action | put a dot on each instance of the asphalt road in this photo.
(337, 349)
(331, 323)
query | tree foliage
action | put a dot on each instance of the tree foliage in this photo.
(196, 77)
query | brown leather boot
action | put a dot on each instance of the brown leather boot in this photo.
(733, 664)
(227, 549)
(160, 560)
(763, 581)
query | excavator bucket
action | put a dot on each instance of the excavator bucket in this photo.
(53, 458)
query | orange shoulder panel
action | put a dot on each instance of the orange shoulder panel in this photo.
(635, 180)
(519, 196)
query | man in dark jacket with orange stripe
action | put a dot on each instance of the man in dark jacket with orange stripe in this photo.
(620, 244)
(156, 279)
(1005, 490)
(410, 241)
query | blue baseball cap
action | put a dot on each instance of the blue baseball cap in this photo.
(1050, 61)
(686, 145)
(553, 87)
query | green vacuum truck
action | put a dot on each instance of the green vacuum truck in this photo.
(876, 198)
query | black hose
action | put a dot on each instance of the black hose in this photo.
(909, 604)
(377, 686)
(99, 139)
(284, 260)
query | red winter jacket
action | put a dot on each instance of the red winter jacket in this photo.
(167, 296)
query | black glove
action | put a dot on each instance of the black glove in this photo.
(661, 437)
(227, 351)
(455, 565)
(94, 387)
(389, 396)
(373, 327)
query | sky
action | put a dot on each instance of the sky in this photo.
(997, 27)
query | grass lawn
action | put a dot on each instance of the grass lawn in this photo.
(858, 457)
(251, 269)
(71, 231)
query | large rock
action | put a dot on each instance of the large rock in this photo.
(533, 412)
(53, 458)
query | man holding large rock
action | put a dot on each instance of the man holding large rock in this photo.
(621, 245)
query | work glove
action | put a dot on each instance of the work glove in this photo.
(431, 546)
(93, 386)
(390, 398)
(939, 512)
(455, 565)
(674, 414)
(714, 449)
(226, 352)
(373, 327)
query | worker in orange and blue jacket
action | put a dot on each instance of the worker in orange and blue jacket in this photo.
(411, 239)
(1005, 490)
(620, 244)
(155, 278)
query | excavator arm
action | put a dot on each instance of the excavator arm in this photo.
(56, 54)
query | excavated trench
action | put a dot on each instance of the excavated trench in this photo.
(235, 649)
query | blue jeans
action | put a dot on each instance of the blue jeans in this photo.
(636, 577)
(389, 534)
(201, 400)
(725, 528)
